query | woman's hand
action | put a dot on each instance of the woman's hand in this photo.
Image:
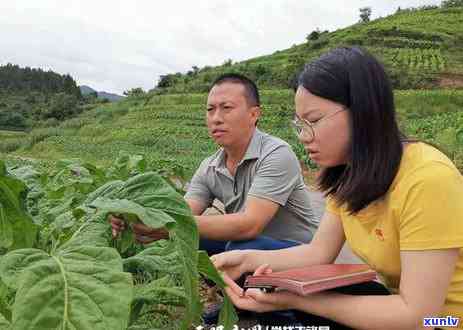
(256, 300)
(233, 263)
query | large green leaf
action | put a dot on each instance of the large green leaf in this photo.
(4, 324)
(17, 229)
(6, 229)
(74, 288)
(150, 199)
(94, 231)
(186, 236)
(161, 291)
(133, 212)
(227, 317)
(153, 260)
(33, 179)
(108, 189)
(126, 166)
(5, 310)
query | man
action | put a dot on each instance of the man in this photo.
(256, 176)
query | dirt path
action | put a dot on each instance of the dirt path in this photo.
(451, 80)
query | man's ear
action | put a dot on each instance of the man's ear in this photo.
(256, 113)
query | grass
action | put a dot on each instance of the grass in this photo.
(170, 131)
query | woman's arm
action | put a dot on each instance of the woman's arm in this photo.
(323, 249)
(423, 287)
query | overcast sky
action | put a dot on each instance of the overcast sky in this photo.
(117, 45)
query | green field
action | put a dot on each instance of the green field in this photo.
(170, 131)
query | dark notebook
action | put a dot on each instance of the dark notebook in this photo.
(313, 278)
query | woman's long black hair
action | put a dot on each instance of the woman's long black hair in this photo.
(354, 78)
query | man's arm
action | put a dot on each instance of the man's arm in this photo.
(238, 226)
(197, 207)
(275, 179)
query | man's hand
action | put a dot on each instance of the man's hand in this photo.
(143, 234)
(117, 225)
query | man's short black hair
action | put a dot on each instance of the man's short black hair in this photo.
(252, 94)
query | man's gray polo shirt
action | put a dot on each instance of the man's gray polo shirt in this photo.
(269, 170)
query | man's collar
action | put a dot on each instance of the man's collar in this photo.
(252, 152)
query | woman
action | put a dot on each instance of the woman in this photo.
(399, 204)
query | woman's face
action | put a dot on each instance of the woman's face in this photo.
(330, 145)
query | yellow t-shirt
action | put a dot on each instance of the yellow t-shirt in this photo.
(422, 210)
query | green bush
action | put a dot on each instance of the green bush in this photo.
(10, 145)
(12, 119)
(39, 135)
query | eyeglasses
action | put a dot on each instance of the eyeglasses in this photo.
(305, 129)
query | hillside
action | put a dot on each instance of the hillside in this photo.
(29, 95)
(170, 131)
(420, 49)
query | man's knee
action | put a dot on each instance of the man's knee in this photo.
(260, 243)
(242, 245)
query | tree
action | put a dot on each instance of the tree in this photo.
(452, 3)
(365, 13)
(134, 92)
(228, 62)
(168, 80)
(261, 70)
(314, 35)
(12, 119)
(14, 78)
(62, 106)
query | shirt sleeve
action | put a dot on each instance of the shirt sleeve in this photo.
(198, 189)
(431, 213)
(276, 176)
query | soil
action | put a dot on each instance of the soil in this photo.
(451, 80)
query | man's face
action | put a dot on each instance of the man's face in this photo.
(230, 118)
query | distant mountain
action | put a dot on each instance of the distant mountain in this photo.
(85, 90)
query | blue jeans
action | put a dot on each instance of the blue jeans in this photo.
(261, 242)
